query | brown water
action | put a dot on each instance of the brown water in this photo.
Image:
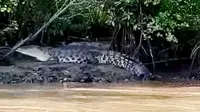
(151, 97)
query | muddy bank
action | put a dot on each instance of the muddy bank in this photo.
(31, 71)
(39, 72)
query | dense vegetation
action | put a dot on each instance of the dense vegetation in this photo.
(158, 29)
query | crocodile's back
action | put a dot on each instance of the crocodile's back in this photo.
(95, 45)
(78, 54)
(74, 54)
(92, 45)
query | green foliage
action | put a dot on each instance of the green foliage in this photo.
(8, 5)
(78, 18)
(121, 12)
(8, 26)
(29, 15)
(178, 14)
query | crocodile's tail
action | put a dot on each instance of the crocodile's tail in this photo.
(134, 66)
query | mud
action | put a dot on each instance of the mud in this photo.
(39, 72)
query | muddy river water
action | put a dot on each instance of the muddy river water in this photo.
(69, 97)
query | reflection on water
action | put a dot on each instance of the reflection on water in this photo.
(145, 97)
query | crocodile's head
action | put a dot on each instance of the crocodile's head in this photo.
(38, 52)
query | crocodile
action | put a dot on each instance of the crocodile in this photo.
(82, 53)
(96, 45)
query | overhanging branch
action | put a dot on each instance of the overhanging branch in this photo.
(30, 37)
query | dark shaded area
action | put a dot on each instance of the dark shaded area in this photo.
(37, 72)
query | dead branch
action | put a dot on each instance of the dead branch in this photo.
(114, 36)
(194, 50)
(193, 55)
(144, 50)
(151, 54)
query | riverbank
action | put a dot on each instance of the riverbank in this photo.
(38, 72)
(31, 71)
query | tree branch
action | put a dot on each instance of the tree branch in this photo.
(141, 30)
(30, 37)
